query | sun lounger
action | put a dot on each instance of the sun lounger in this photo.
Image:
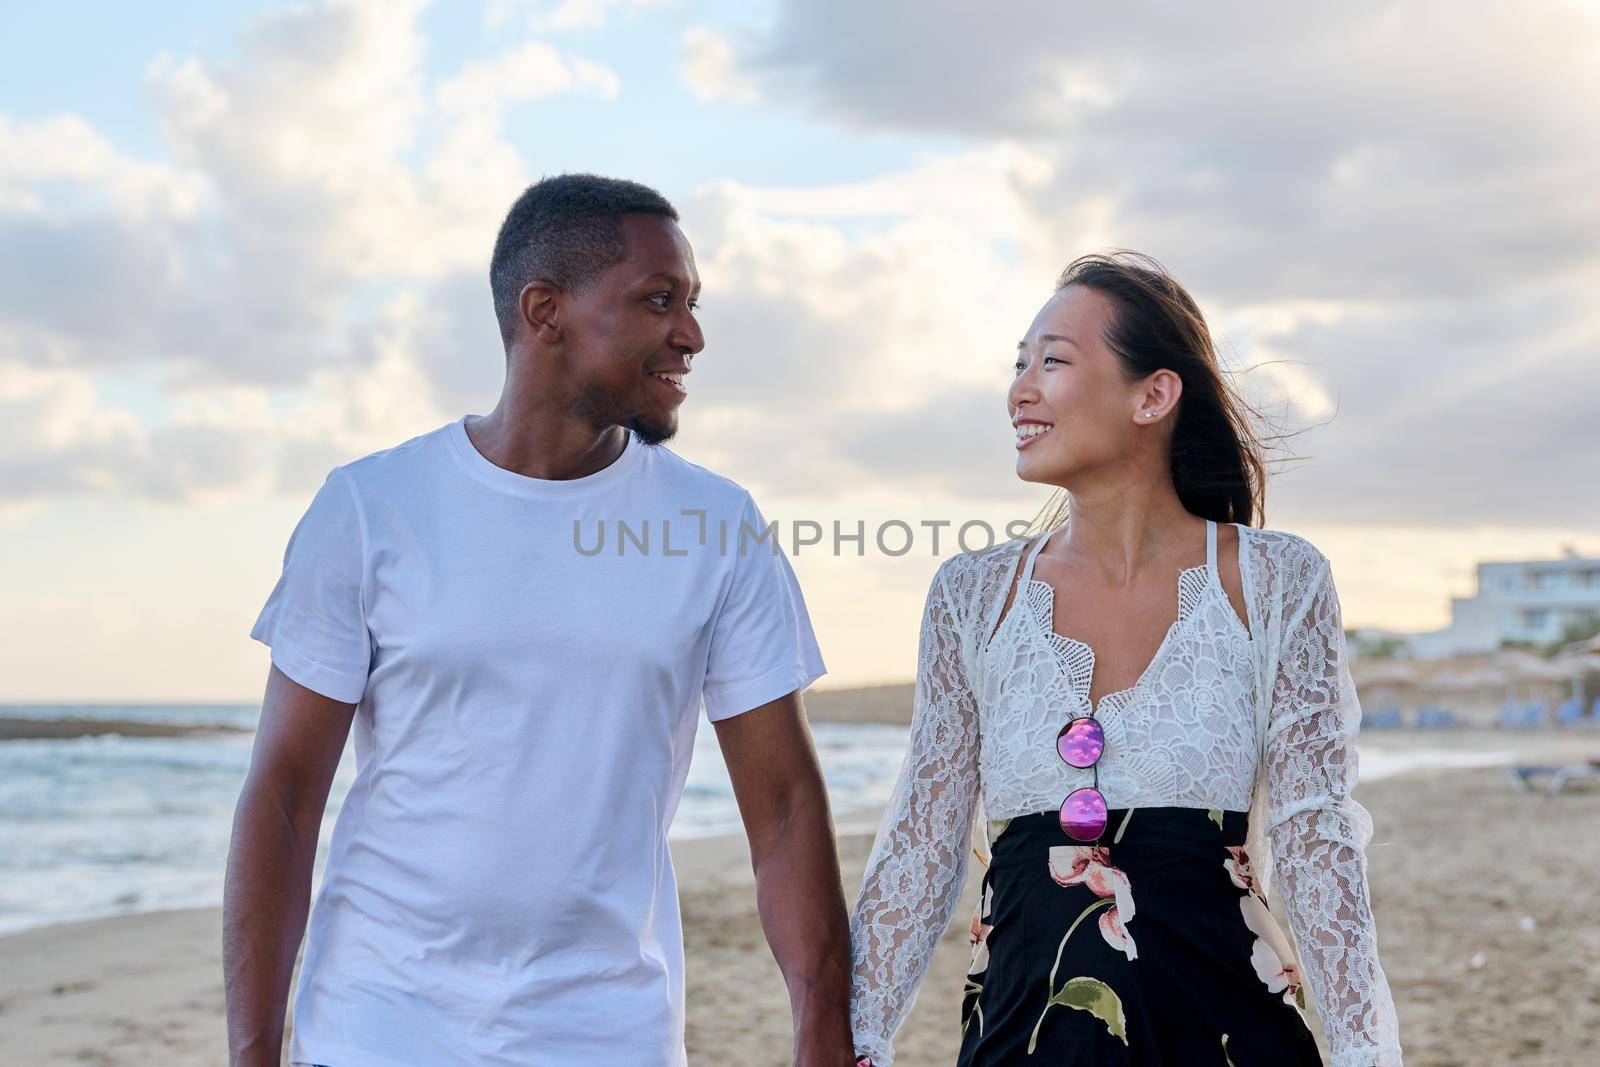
(1591, 769)
(1383, 719)
(1525, 777)
(1435, 718)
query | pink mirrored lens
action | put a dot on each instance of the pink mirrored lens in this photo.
(1081, 743)
(1083, 814)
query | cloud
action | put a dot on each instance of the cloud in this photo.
(1455, 415)
(449, 335)
(1389, 214)
(65, 152)
(830, 311)
(315, 170)
(710, 69)
(60, 438)
(1392, 213)
(531, 71)
(319, 187)
(1396, 147)
(56, 436)
(562, 16)
(289, 195)
(304, 136)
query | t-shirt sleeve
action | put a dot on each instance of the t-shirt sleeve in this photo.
(762, 645)
(315, 619)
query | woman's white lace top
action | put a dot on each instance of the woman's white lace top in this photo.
(1261, 719)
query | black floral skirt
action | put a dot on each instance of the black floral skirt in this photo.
(1154, 947)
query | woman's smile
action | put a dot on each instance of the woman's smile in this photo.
(1030, 430)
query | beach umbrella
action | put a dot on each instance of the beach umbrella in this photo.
(1526, 668)
(1486, 676)
(1573, 668)
(1549, 669)
(1383, 673)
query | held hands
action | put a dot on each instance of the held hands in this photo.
(834, 1056)
(844, 1058)
(834, 1050)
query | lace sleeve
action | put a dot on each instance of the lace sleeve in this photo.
(1318, 830)
(918, 864)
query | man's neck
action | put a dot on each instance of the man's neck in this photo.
(535, 445)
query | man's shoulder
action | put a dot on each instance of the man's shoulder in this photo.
(692, 481)
(396, 460)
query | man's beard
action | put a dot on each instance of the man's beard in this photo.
(596, 406)
(653, 431)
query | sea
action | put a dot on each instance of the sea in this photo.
(111, 825)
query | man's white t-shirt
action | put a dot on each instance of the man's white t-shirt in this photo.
(529, 658)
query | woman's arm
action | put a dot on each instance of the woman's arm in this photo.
(918, 864)
(1318, 830)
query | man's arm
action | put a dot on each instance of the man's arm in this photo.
(274, 846)
(778, 784)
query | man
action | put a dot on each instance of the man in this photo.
(499, 889)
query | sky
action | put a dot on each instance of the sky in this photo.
(243, 243)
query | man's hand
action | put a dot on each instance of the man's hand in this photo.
(778, 784)
(268, 889)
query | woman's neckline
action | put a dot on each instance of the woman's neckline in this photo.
(1080, 668)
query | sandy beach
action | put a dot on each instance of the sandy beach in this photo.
(1485, 898)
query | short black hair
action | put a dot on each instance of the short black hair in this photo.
(566, 230)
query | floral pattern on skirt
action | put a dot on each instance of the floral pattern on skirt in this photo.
(1152, 947)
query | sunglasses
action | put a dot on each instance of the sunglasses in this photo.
(1080, 744)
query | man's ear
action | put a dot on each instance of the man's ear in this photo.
(540, 304)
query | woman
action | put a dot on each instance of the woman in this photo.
(1146, 697)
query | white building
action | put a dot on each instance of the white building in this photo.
(1523, 601)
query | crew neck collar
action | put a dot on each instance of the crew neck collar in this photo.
(483, 470)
